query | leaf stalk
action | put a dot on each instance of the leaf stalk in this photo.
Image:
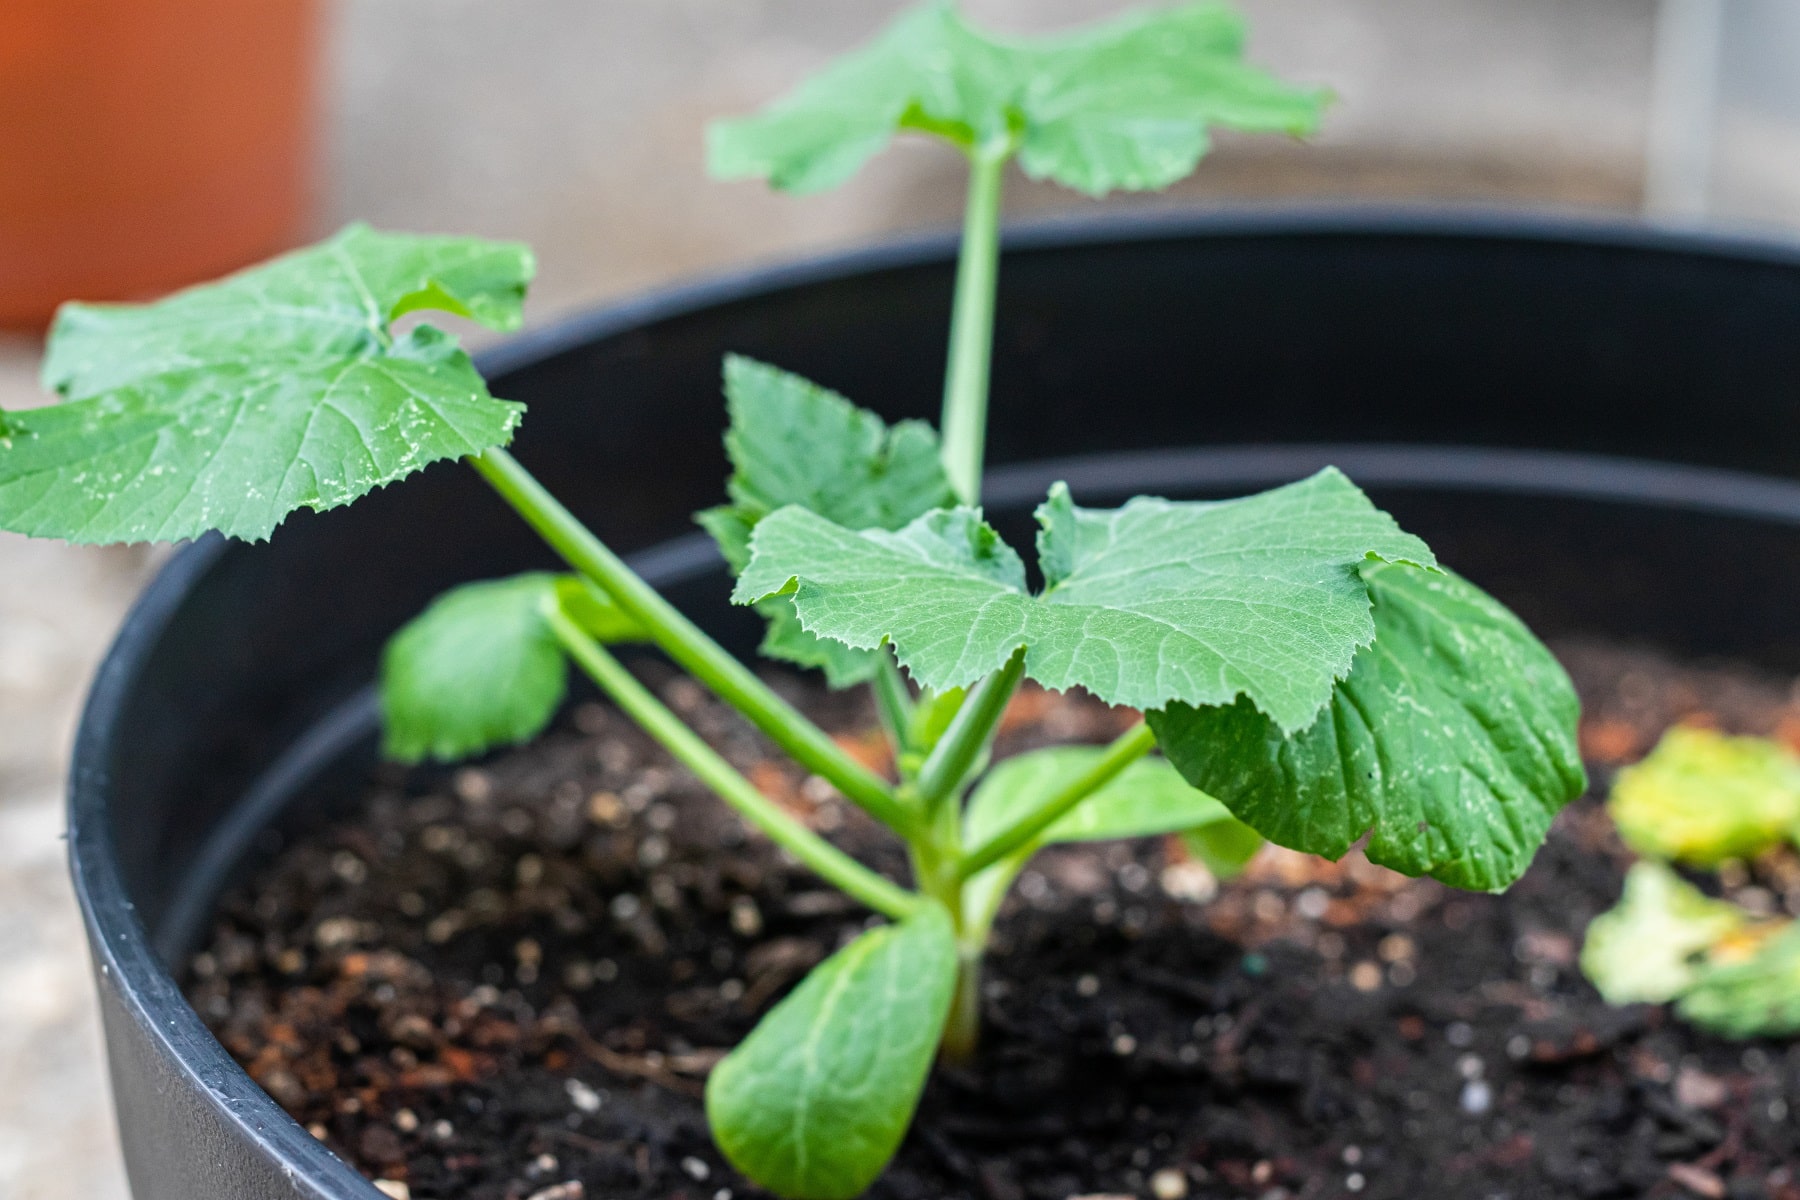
(964, 424)
(832, 864)
(1124, 750)
(970, 731)
(684, 642)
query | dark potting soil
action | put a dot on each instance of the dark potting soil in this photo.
(509, 982)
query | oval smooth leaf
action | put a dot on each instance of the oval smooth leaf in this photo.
(814, 1103)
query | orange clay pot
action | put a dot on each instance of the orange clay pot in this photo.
(146, 144)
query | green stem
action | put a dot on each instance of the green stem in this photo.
(969, 734)
(684, 642)
(1126, 749)
(964, 426)
(894, 703)
(832, 864)
(962, 1029)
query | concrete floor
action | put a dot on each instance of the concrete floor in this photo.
(578, 126)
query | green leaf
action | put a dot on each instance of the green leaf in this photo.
(481, 668)
(229, 406)
(793, 442)
(1651, 946)
(1124, 104)
(1145, 799)
(1702, 797)
(1451, 744)
(595, 612)
(1153, 602)
(1148, 797)
(1226, 847)
(1758, 997)
(814, 1102)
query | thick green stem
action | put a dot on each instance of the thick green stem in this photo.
(964, 425)
(684, 642)
(969, 734)
(636, 700)
(1126, 749)
(962, 1029)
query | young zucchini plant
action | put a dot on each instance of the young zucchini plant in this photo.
(1308, 670)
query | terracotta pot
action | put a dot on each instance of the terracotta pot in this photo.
(147, 144)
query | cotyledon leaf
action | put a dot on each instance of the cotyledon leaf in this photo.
(793, 442)
(230, 405)
(814, 1102)
(481, 668)
(1124, 104)
(1154, 602)
(1451, 744)
(1148, 797)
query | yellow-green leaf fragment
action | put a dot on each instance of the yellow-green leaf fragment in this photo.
(1702, 797)
(793, 442)
(1451, 745)
(1125, 104)
(814, 1102)
(1651, 947)
(228, 406)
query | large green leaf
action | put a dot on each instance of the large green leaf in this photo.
(793, 442)
(1702, 797)
(1451, 744)
(1125, 104)
(230, 405)
(1154, 602)
(814, 1102)
(1650, 947)
(481, 667)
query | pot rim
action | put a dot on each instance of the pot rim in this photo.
(120, 945)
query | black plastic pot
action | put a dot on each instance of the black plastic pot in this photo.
(235, 706)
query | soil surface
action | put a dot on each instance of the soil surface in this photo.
(509, 982)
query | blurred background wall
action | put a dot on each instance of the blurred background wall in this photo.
(577, 125)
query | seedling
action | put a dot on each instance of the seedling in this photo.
(1701, 799)
(1309, 671)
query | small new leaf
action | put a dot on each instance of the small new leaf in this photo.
(1650, 947)
(793, 442)
(1451, 744)
(1154, 602)
(229, 406)
(1122, 105)
(481, 668)
(814, 1102)
(1702, 797)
